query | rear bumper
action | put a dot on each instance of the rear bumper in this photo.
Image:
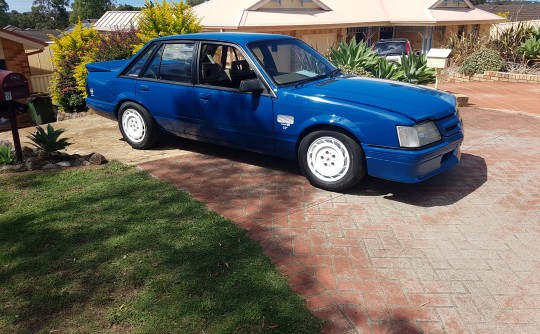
(411, 166)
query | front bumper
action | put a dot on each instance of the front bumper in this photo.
(411, 166)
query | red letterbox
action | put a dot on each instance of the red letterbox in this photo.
(13, 86)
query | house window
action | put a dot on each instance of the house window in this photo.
(3, 65)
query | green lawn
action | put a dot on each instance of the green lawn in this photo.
(114, 250)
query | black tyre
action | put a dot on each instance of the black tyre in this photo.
(331, 160)
(137, 126)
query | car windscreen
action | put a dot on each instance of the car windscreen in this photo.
(290, 61)
(390, 48)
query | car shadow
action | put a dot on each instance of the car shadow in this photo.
(442, 190)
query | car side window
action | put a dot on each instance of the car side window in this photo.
(171, 63)
(137, 67)
(223, 66)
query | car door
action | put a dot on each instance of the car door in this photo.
(165, 87)
(226, 115)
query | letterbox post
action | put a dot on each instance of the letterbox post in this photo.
(15, 131)
(13, 86)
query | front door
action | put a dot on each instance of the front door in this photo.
(226, 115)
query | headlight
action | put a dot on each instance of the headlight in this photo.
(418, 135)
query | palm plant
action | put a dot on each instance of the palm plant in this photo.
(48, 141)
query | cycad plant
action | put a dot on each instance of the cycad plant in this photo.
(48, 141)
(415, 70)
(354, 55)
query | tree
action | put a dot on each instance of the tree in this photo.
(89, 9)
(195, 2)
(50, 14)
(4, 16)
(126, 7)
(166, 18)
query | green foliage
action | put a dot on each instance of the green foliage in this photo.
(387, 70)
(69, 50)
(530, 49)
(508, 40)
(89, 9)
(50, 14)
(360, 71)
(359, 59)
(114, 45)
(166, 18)
(48, 141)
(414, 70)
(353, 55)
(6, 156)
(481, 61)
(465, 45)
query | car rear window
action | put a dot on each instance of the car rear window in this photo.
(391, 48)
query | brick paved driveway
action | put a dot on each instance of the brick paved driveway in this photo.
(457, 254)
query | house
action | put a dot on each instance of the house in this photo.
(322, 23)
(15, 48)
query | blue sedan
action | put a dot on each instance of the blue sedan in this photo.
(275, 95)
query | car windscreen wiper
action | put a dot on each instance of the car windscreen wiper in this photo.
(303, 81)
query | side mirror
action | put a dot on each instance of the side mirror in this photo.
(251, 86)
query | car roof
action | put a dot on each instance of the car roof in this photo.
(235, 37)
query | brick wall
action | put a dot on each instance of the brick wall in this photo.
(16, 59)
(491, 76)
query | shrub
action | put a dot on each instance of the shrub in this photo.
(6, 155)
(481, 61)
(48, 141)
(69, 49)
(465, 45)
(530, 49)
(508, 40)
(414, 70)
(164, 19)
(387, 70)
(354, 55)
(115, 45)
(360, 71)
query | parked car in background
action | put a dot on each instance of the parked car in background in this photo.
(276, 95)
(393, 49)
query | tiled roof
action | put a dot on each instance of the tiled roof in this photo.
(517, 12)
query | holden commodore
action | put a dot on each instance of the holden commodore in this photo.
(276, 95)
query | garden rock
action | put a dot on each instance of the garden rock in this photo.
(49, 166)
(34, 163)
(97, 159)
(63, 164)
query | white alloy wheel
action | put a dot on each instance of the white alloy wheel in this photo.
(328, 159)
(133, 125)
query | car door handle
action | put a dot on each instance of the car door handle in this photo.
(204, 96)
(144, 88)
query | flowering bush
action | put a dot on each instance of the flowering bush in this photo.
(69, 49)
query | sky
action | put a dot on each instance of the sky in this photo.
(25, 5)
